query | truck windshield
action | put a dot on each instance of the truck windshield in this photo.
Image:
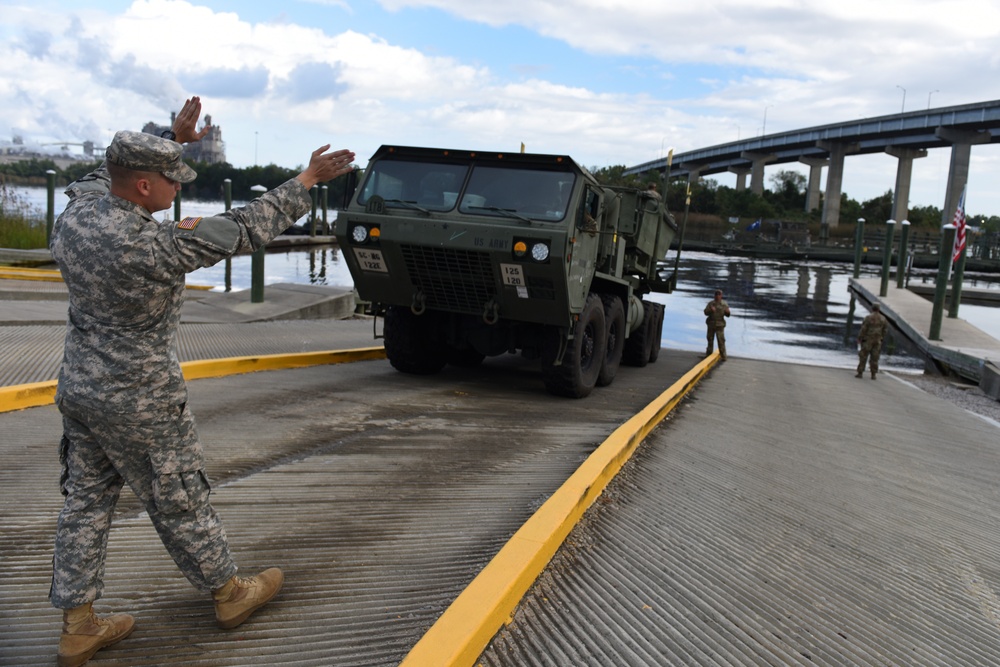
(431, 186)
(537, 194)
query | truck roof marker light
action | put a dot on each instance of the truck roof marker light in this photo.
(520, 248)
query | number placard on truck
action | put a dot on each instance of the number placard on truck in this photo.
(371, 260)
(512, 275)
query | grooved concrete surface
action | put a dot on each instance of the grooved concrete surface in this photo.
(786, 515)
(381, 495)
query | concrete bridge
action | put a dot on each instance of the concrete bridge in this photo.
(906, 136)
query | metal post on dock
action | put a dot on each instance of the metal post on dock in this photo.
(323, 192)
(257, 262)
(890, 229)
(50, 213)
(941, 284)
(177, 206)
(848, 333)
(859, 239)
(904, 238)
(680, 237)
(227, 194)
(956, 284)
(314, 194)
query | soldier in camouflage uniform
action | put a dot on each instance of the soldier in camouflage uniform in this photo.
(870, 337)
(121, 392)
(716, 313)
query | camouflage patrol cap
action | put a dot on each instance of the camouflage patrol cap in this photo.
(147, 152)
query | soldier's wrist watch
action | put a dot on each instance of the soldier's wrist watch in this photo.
(169, 134)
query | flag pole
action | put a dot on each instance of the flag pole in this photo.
(958, 257)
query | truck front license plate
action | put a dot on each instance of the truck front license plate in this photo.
(370, 260)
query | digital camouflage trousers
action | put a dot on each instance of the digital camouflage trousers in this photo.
(162, 462)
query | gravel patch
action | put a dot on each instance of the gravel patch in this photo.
(962, 394)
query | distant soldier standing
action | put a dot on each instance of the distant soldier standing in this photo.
(716, 313)
(870, 340)
(121, 391)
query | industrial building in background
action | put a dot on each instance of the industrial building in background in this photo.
(211, 149)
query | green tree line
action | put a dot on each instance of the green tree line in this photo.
(784, 200)
(208, 185)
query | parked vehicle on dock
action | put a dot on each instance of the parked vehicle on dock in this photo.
(470, 254)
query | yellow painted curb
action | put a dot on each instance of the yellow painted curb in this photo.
(19, 397)
(210, 368)
(52, 276)
(488, 602)
(44, 275)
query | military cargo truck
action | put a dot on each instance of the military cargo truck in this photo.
(470, 254)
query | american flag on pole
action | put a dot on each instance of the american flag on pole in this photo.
(959, 223)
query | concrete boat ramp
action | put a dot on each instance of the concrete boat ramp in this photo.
(694, 512)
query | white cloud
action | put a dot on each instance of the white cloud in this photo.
(279, 88)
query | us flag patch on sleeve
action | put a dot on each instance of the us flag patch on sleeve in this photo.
(188, 223)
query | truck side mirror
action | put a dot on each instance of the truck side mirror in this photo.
(349, 188)
(590, 212)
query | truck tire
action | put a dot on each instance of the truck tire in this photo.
(654, 350)
(577, 375)
(639, 346)
(411, 342)
(614, 321)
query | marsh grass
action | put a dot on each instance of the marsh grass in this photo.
(22, 226)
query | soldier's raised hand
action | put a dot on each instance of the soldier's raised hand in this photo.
(325, 166)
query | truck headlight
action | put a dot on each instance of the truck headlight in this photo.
(359, 234)
(539, 252)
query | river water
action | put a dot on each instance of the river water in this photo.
(782, 311)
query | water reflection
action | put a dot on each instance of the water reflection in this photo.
(801, 313)
(315, 265)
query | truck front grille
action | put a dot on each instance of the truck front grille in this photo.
(454, 280)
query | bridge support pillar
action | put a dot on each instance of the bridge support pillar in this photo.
(904, 174)
(693, 170)
(958, 173)
(834, 180)
(758, 162)
(812, 188)
(741, 177)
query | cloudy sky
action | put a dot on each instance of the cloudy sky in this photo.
(605, 81)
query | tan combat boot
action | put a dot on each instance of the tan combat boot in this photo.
(84, 634)
(242, 596)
